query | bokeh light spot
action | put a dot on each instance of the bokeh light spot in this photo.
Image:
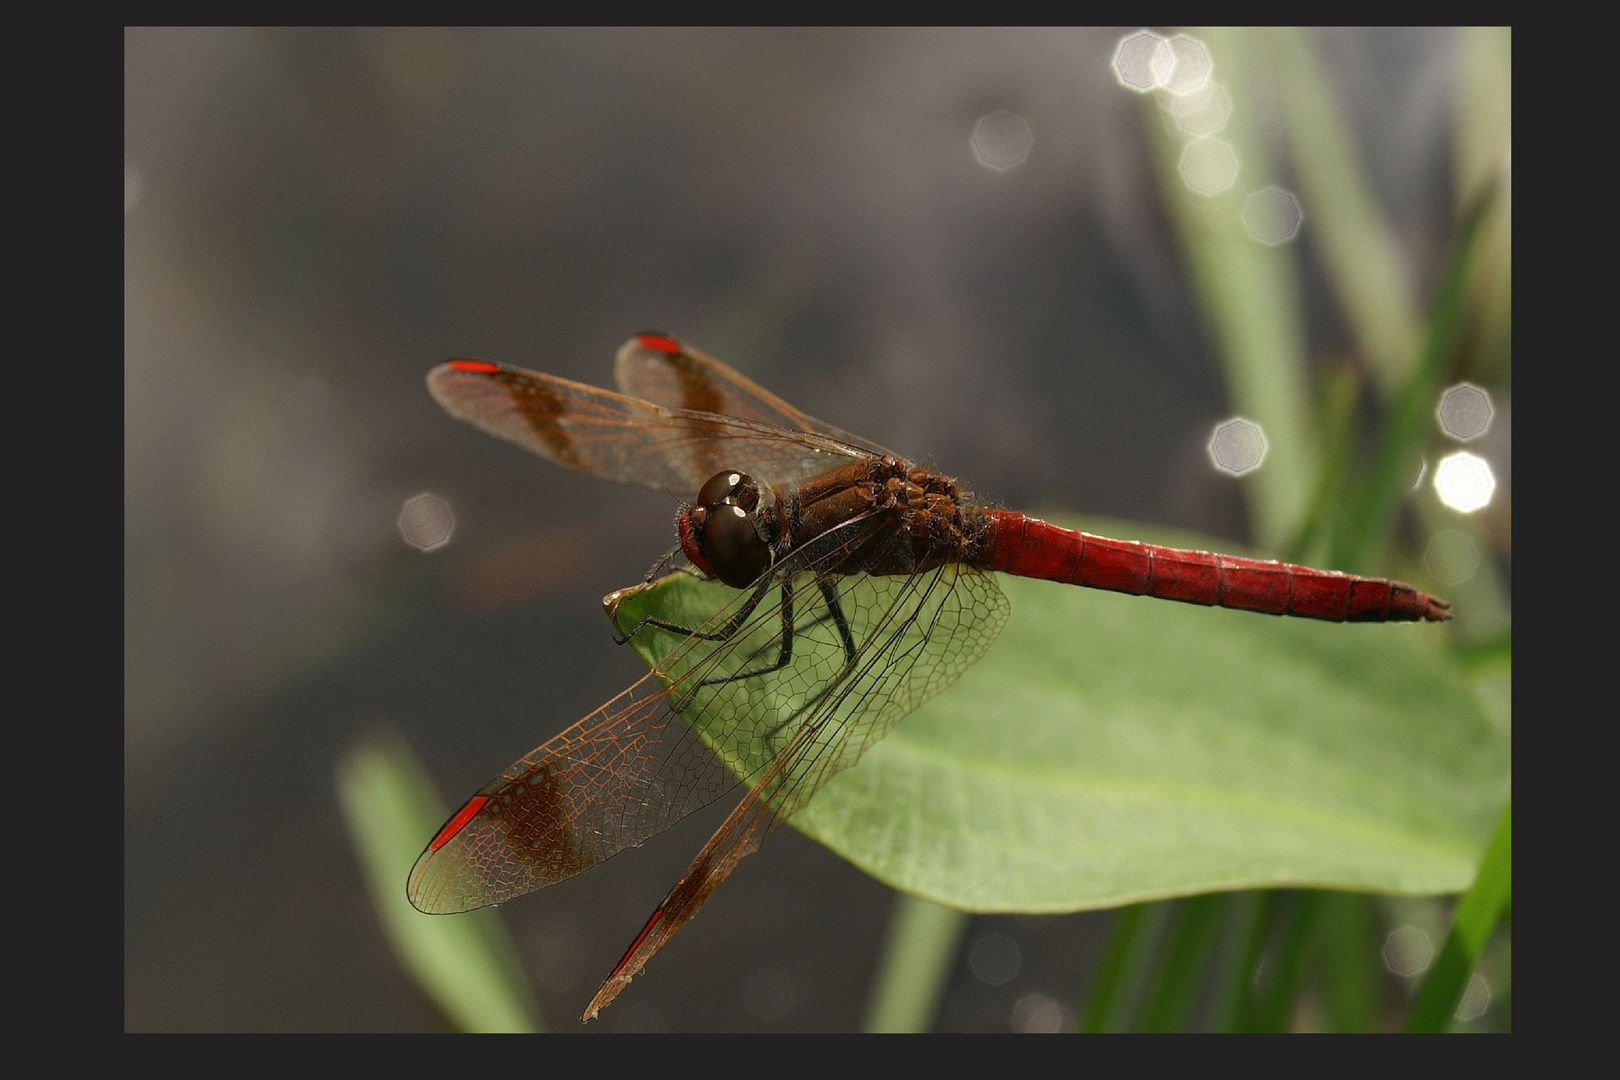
(1193, 66)
(1452, 557)
(1476, 998)
(995, 959)
(1209, 166)
(1037, 1014)
(1143, 61)
(1408, 951)
(1002, 140)
(1272, 216)
(1464, 481)
(1202, 112)
(1465, 412)
(1237, 446)
(426, 522)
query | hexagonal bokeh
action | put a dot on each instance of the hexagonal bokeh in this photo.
(1002, 140)
(1272, 215)
(995, 959)
(1408, 951)
(1476, 998)
(1038, 1014)
(1143, 61)
(1464, 481)
(1465, 412)
(426, 522)
(1202, 112)
(1237, 446)
(1209, 166)
(1193, 66)
(1451, 556)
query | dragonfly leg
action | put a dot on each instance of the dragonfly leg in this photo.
(835, 612)
(723, 634)
(829, 593)
(784, 654)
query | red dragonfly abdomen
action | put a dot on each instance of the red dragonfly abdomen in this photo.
(1017, 544)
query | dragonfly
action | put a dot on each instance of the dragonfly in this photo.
(840, 587)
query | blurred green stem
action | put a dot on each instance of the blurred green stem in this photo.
(1248, 923)
(1484, 147)
(1340, 399)
(1250, 299)
(1351, 970)
(1358, 247)
(1125, 963)
(924, 940)
(1478, 913)
(464, 963)
(1189, 945)
(1296, 922)
(1370, 512)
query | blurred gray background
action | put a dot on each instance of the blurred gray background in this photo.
(313, 219)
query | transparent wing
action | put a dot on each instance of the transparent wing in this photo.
(624, 773)
(665, 371)
(912, 636)
(916, 635)
(712, 711)
(624, 438)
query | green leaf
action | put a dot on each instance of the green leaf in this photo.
(1112, 749)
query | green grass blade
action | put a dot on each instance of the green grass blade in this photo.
(1351, 971)
(1298, 925)
(1478, 913)
(464, 963)
(1249, 293)
(1359, 249)
(924, 940)
(1341, 398)
(1483, 142)
(1249, 919)
(1117, 985)
(1371, 511)
(1189, 947)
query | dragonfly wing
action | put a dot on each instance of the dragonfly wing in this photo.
(739, 836)
(624, 773)
(627, 771)
(659, 368)
(623, 438)
(914, 635)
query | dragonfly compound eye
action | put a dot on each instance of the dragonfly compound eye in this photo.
(735, 550)
(732, 487)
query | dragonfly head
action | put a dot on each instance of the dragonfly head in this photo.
(719, 535)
